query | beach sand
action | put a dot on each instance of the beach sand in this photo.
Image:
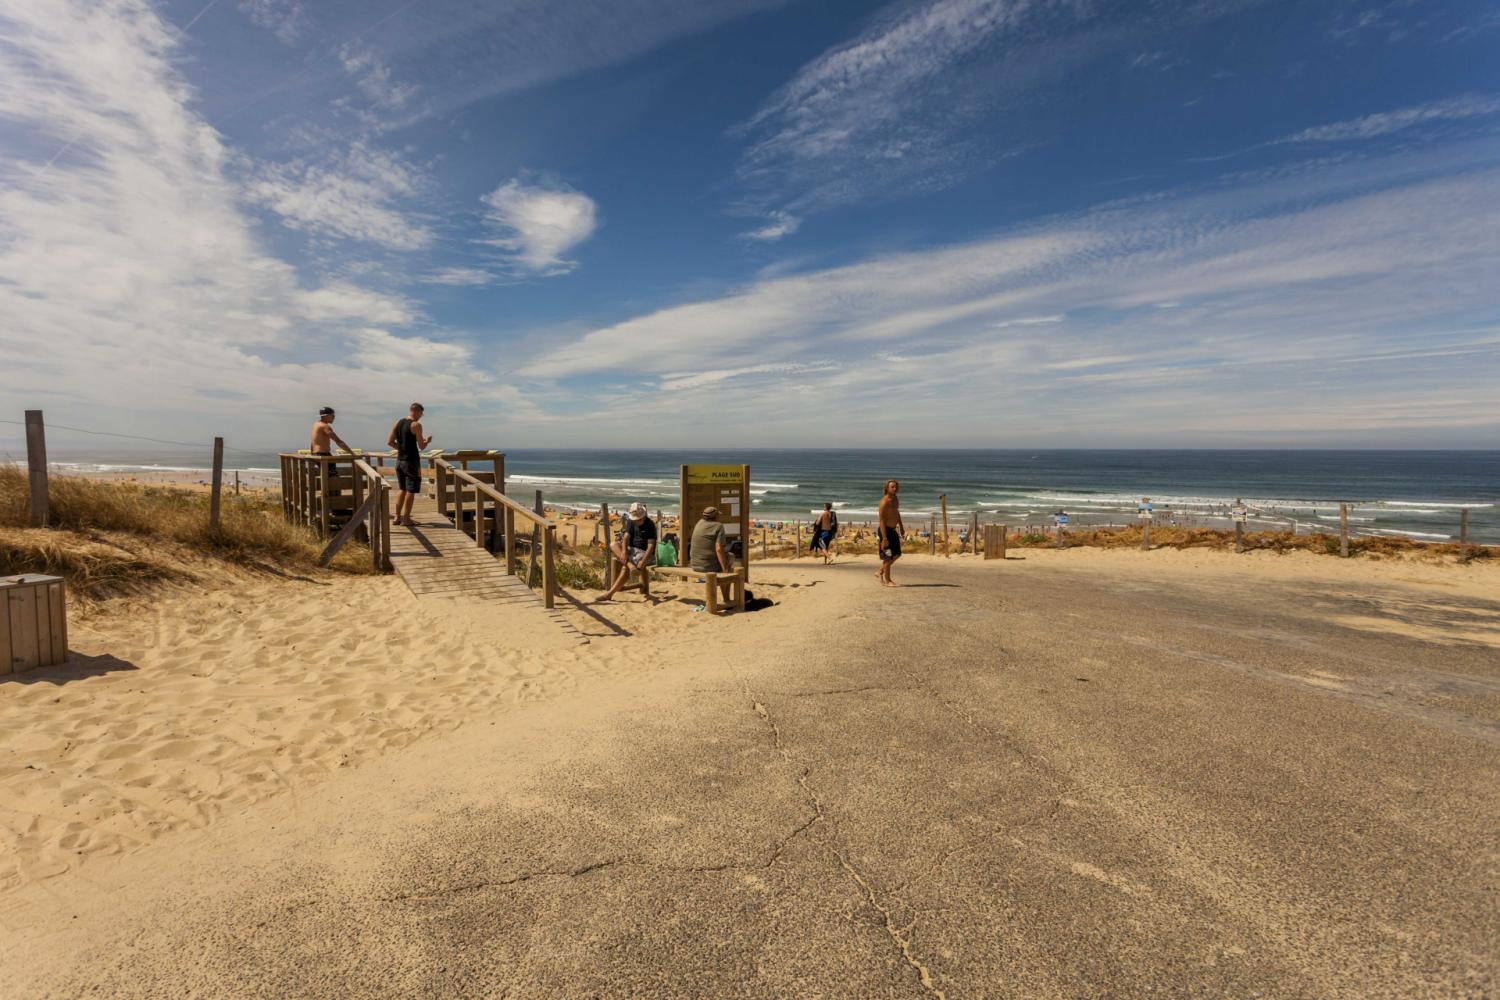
(275, 733)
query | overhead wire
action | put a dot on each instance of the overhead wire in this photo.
(142, 437)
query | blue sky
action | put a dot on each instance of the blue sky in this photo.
(738, 222)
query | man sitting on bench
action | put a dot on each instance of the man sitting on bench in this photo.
(635, 548)
(710, 549)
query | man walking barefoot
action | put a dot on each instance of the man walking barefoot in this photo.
(406, 437)
(891, 530)
(825, 529)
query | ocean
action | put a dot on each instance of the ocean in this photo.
(1413, 493)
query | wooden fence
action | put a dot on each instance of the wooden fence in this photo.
(487, 515)
(340, 497)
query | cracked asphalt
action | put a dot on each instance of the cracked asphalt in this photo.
(1028, 780)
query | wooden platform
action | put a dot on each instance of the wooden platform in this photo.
(437, 560)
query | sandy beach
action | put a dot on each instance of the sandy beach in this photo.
(1187, 771)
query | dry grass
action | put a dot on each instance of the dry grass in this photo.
(850, 543)
(113, 538)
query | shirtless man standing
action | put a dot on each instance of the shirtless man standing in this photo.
(323, 438)
(891, 530)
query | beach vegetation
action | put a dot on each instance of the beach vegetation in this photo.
(109, 538)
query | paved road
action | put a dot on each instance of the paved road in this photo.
(1047, 784)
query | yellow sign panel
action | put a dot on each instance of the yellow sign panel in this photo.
(711, 475)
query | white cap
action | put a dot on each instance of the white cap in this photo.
(637, 511)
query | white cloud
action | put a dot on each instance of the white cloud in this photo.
(538, 223)
(354, 197)
(1281, 286)
(1386, 122)
(286, 19)
(778, 224)
(374, 78)
(135, 291)
(458, 276)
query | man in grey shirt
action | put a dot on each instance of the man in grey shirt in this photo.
(710, 549)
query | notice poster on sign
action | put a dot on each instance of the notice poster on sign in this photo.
(1240, 512)
(726, 487)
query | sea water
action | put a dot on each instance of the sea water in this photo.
(1413, 493)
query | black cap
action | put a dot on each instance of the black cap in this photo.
(325, 411)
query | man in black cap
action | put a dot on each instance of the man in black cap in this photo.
(323, 437)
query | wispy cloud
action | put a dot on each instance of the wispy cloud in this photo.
(1386, 122)
(1059, 329)
(539, 222)
(286, 19)
(354, 196)
(182, 306)
(778, 224)
(374, 77)
(459, 276)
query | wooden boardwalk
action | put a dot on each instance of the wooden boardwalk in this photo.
(437, 560)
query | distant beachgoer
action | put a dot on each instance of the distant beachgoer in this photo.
(709, 551)
(635, 547)
(323, 437)
(891, 530)
(824, 530)
(406, 437)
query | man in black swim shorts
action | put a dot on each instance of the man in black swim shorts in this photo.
(891, 530)
(406, 437)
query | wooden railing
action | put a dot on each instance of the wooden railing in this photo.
(492, 515)
(340, 497)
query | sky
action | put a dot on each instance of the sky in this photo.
(692, 223)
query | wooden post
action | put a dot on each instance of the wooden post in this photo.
(1003, 531)
(798, 529)
(217, 487)
(943, 499)
(375, 526)
(932, 535)
(549, 565)
(974, 533)
(536, 541)
(1145, 536)
(1463, 534)
(764, 553)
(385, 527)
(609, 550)
(236, 482)
(575, 534)
(1239, 537)
(512, 556)
(36, 465)
(1344, 530)
(325, 509)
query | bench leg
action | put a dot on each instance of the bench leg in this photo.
(711, 593)
(739, 591)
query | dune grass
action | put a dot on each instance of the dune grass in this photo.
(109, 538)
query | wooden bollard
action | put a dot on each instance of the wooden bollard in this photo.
(932, 535)
(1344, 530)
(218, 485)
(797, 527)
(36, 466)
(943, 500)
(764, 553)
(1463, 534)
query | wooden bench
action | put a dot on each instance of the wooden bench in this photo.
(711, 584)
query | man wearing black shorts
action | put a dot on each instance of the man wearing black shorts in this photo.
(406, 437)
(891, 530)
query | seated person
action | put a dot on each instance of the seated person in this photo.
(635, 547)
(710, 549)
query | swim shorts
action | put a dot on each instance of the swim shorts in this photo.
(408, 477)
(892, 548)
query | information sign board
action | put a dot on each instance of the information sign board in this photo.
(726, 487)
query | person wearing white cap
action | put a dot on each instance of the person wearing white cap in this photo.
(635, 547)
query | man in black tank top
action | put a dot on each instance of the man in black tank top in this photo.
(406, 437)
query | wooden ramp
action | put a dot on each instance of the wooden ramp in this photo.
(437, 560)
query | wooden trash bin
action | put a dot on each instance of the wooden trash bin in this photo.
(994, 541)
(33, 622)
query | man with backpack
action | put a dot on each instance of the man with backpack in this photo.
(824, 530)
(406, 437)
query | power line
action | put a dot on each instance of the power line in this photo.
(142, 437)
